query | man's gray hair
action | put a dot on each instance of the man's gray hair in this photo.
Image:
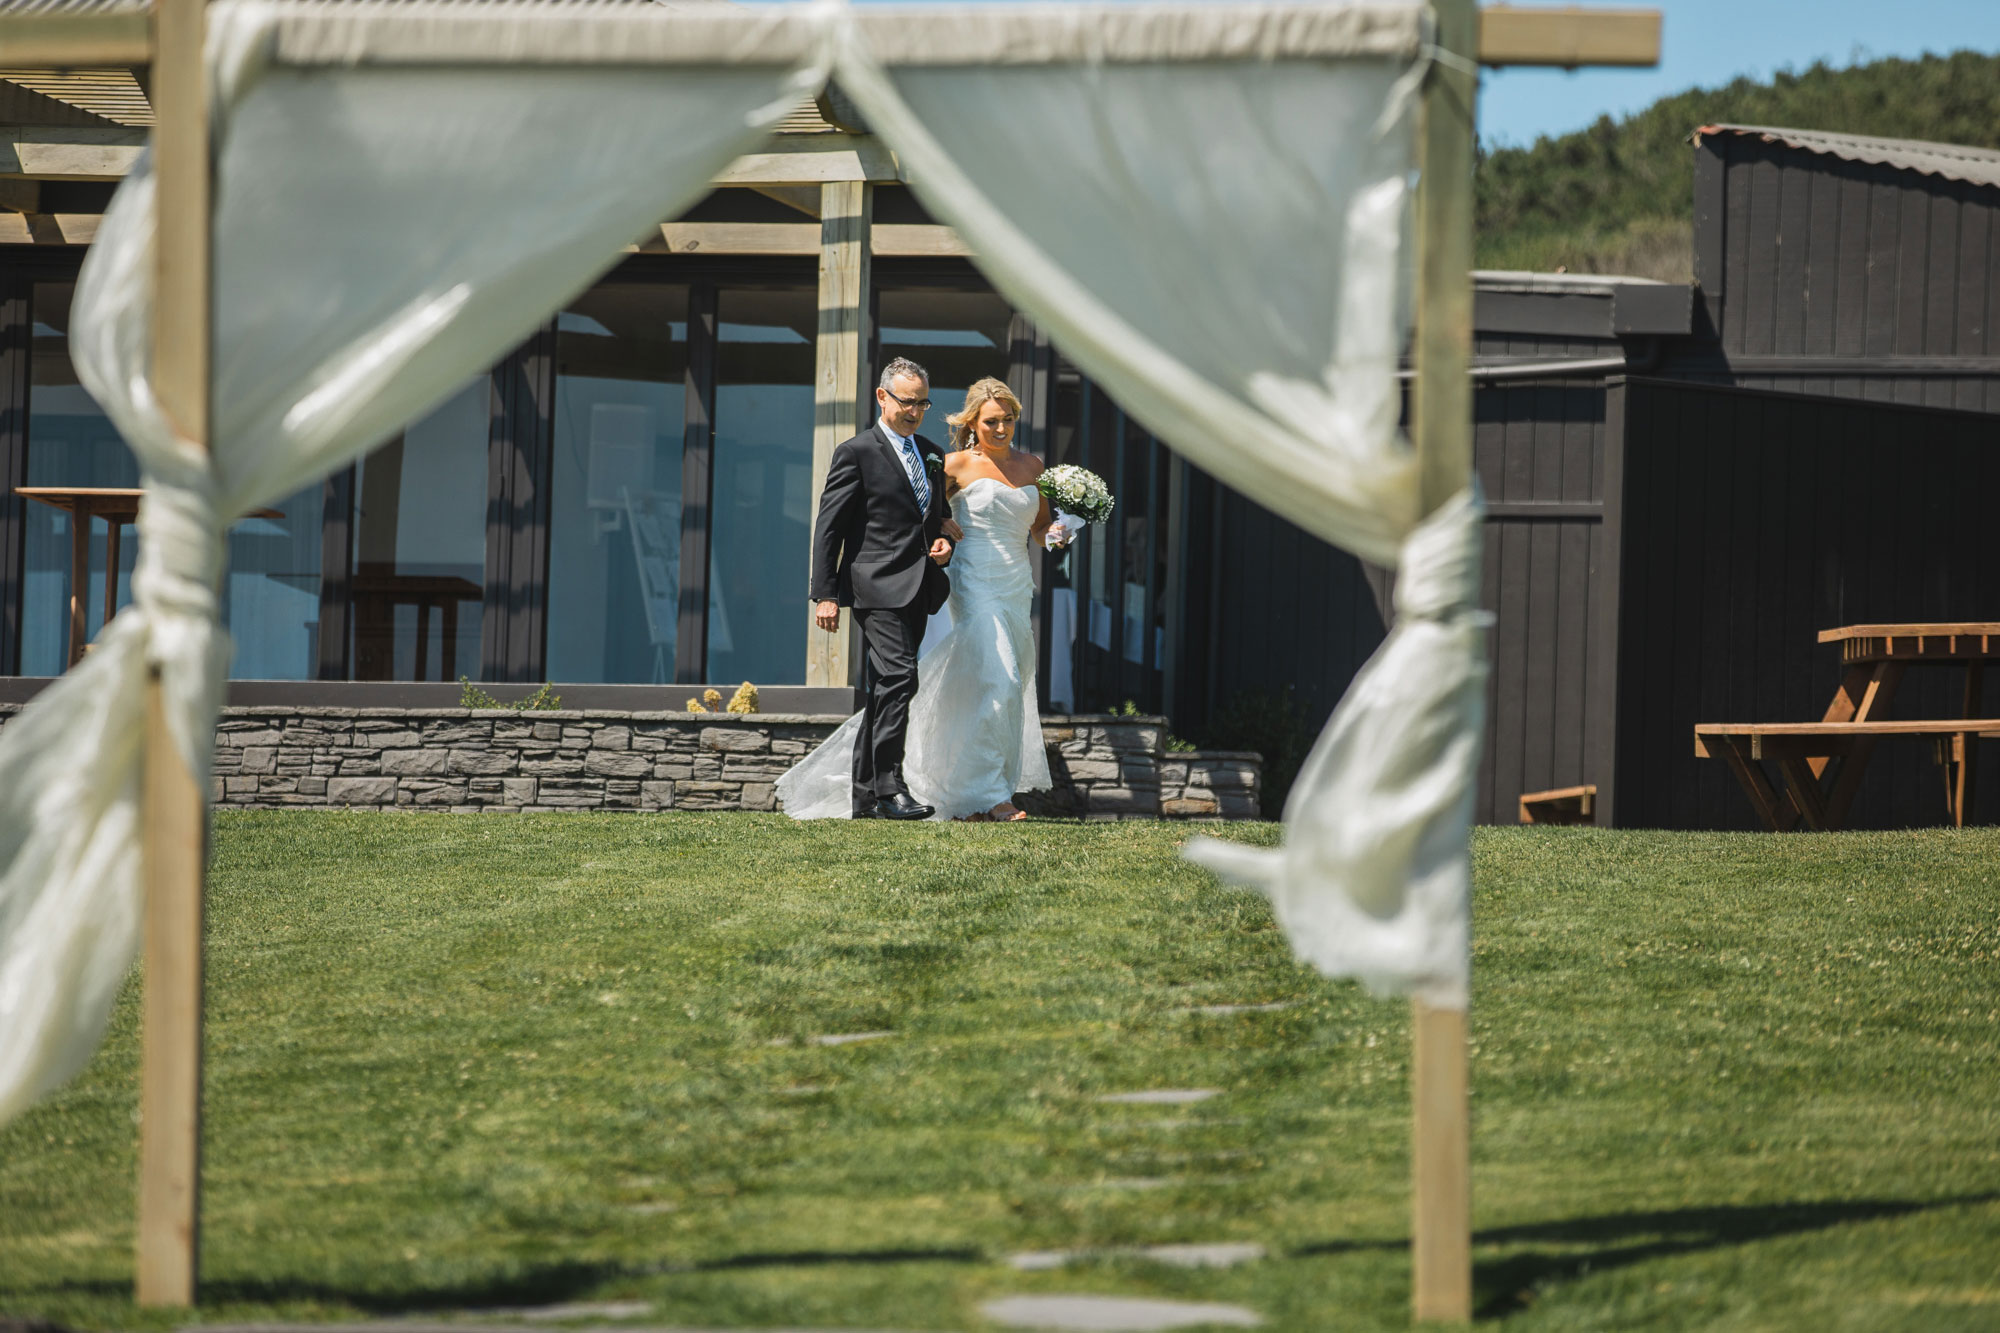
(903, 367)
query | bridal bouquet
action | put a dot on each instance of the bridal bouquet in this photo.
(1077, 490)
(1078, 496)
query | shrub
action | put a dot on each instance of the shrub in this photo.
(544, 699)
(1272, 723)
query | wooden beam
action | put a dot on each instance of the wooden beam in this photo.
(1569, 37)
(815, 159)
(172, 817)
(840, 373)
(1441, 408)
(895, 239)
(49, 228)
(53, 152)
(796, 238)
(62, 40)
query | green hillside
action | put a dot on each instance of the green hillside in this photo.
(1617, 197)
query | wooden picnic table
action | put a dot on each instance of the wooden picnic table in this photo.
(1821, 763)
(117, 506)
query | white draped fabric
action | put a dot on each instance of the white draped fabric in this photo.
(1206, 207)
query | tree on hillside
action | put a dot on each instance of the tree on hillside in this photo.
(1618, 196)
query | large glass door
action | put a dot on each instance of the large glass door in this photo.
(620, 408)
(760, 513)
(419, 545)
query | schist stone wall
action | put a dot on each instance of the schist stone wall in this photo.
(461, 759)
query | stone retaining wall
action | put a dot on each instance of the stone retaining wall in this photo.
(462, 759)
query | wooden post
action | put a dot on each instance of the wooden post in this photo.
(173, 808)
(846, 214)
(1441, 411)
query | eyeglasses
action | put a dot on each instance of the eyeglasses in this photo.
(923, 403)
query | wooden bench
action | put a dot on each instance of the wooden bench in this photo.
(1560, 805)
(1819, 794)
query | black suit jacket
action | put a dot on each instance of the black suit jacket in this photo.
(871, 545)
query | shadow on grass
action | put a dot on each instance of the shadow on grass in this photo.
(517, 1289)
(1595, 1244)
(1616, 1240)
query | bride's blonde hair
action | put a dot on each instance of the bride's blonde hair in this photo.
(988, 390)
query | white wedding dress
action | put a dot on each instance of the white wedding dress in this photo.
(975, 731)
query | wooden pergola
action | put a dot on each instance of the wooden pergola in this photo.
(167, 37)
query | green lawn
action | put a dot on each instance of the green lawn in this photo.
(1720, 1081)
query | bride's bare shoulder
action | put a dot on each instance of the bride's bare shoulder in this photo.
(1030, 468)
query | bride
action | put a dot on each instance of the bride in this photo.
(975, 734)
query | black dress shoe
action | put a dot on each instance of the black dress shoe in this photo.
(902, 805)
(867, 811)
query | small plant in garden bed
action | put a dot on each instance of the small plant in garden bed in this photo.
(544, 699)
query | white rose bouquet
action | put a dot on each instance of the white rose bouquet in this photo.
(1078, 496)
(1078, 491)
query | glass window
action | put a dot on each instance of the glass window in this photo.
(615, 495)
(71, 443)
(762, 516)
(959, 337)
(419, 545)
(1134, 520)
(270, 592)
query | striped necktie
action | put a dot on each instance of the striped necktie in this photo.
(913, 465)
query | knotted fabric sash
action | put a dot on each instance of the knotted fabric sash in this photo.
(1373, 879)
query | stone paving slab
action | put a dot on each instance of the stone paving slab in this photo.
(1219, 1010)
(847, 1038)
(1222, 1254)
(1113, 1314)
(1160, 1096)
(471, 1326)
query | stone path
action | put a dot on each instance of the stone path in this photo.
(573, 1310)
(1222, 1254)
(1160, 1097)
(1220, 1009)
(1112, 1314)
(1178, 1122)
(455, 1326)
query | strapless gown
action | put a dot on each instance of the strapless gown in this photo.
(975, 732)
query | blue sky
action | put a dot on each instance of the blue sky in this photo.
(1709, 42)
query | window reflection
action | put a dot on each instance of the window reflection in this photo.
(762, 516)
(420, 545)
(615, 497)
(270, 601)
(1134, 521)
(270, 592)
(959, 337)
(71, 443)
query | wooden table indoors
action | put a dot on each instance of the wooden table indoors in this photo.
(117, 506)
(1818, 790)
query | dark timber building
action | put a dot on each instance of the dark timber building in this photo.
(1682, 491)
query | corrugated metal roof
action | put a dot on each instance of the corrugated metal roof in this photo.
(1977, 166)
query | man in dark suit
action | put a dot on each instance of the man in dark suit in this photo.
(879, 547)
